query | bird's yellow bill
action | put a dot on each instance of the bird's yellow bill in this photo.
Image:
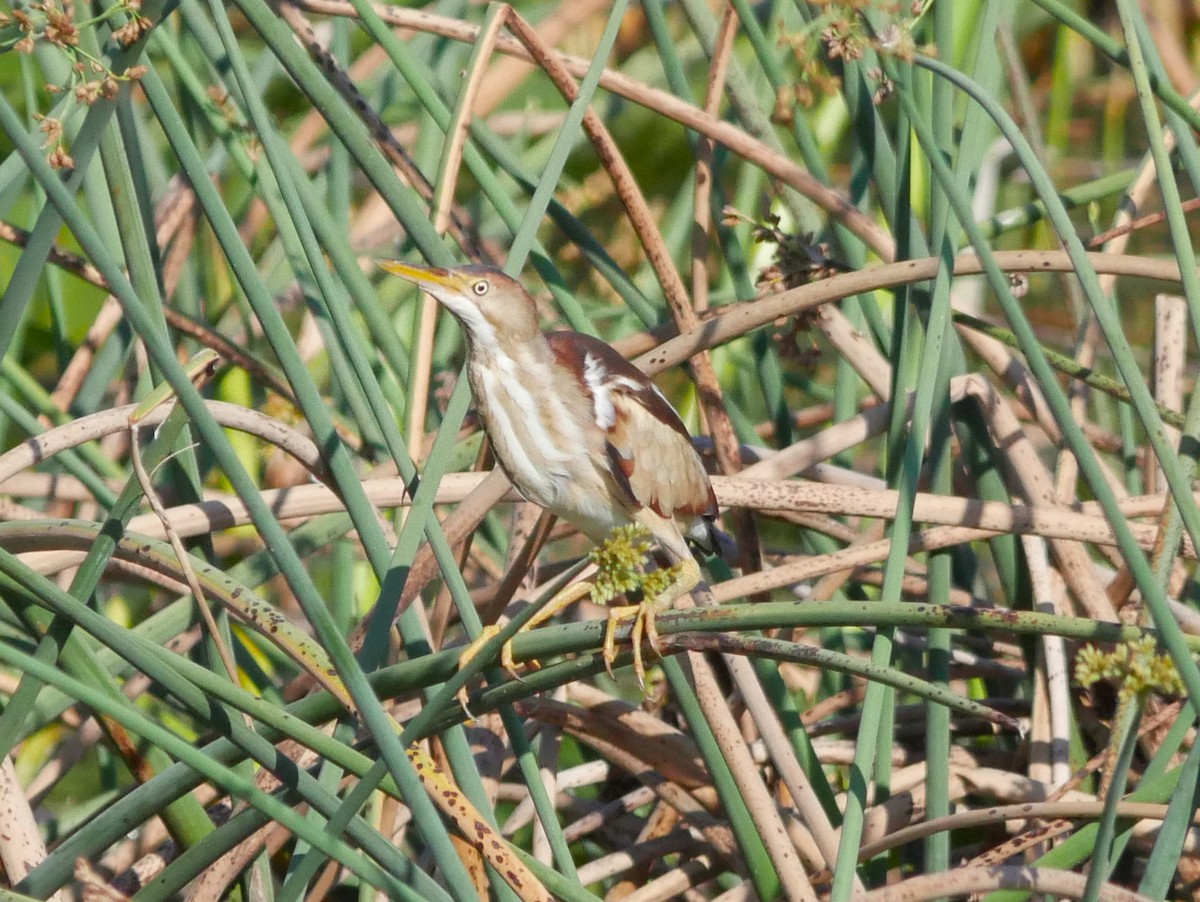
(424, 276)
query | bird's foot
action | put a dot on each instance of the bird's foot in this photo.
(486, 635)
(621, 561)
(563, 599)
(643, 623)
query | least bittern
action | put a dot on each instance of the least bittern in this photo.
(579, 430)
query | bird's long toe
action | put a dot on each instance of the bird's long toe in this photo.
(507, 662)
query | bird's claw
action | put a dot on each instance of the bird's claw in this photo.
(507, 662)
(644, 622)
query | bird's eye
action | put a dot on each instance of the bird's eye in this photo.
(480, 288)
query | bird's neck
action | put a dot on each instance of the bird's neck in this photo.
(528, 361)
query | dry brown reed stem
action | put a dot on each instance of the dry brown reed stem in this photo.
(685, 789)
(1009, 367)
(724, 133)
(1083, 525)
(521, 559)
(702, 193)
(1035, 484)
(461, 522)
(1063, 813)
(1041, 832)
(836, 288)
(1128, 226)
(561, 22)
(754, 697)
(1050, 708)
(979, 517)
(18, 237)
(1135, 197)
(21, 846)
(88, 428)
(634, 859)
(743, 318)
(961, 881)
(1169, 367)
(758, 798)
(970, 521)
(216, 879)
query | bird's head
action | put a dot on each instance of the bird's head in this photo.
(492, 307)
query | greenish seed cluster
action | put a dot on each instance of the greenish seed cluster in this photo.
(1135, 667)
(620, 560)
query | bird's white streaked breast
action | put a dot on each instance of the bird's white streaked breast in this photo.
(517, 424)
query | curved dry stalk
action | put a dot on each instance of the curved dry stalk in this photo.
(1066, 811)
(21, 844)
(200, 370)
(639, 852)
(962, 519)
(705, 147)
(738, 319)
(505, 74)
(106, 422)
(961, 881)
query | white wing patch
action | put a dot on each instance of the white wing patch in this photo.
(521, 433)
(595, 376)
(602, 385)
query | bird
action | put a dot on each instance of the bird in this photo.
(580, 431)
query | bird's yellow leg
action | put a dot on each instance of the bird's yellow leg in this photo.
(563, 599)
(687, 576)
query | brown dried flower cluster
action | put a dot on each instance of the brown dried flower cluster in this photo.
(842, 40)
(53, 23)
(799, 260)
(28, 31)
(52, 128)
(60, 28)
(841, 34)
(137, 25)
(799, 257)
(47, 21)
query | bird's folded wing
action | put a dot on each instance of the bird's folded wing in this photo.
(652, 459)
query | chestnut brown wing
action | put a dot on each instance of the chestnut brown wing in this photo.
(650, 453)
